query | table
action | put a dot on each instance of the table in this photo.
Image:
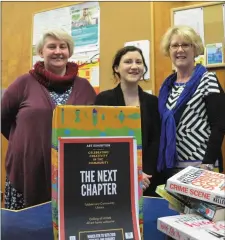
(35, 223)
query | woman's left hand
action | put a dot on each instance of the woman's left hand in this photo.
(208, 167)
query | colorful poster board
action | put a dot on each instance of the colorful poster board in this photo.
(94, 121)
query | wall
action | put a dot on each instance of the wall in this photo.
(116, 29)
(123, 22)
(162, 21)
(220, 72)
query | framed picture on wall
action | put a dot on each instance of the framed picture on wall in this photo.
(214, 54)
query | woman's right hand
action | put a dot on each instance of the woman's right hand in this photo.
(146, 180)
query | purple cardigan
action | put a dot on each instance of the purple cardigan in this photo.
(26, 116)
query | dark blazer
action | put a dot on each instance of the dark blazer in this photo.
(150, 125)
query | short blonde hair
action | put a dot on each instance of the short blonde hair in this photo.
(187, 33)
(57, 34)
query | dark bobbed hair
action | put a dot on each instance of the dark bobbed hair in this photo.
(119, 55)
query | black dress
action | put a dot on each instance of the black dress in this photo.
(150, 128)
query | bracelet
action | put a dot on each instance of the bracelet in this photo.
(209, 167)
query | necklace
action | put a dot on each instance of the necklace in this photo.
(180, 84)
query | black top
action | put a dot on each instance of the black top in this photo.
(150, 123)
(215, 105)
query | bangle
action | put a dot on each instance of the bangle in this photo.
(209, 167)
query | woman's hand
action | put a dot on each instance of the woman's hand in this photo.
(208, 167)
(146, 181)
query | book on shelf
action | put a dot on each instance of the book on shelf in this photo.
(187, 205)
(208, 210)
(191, 227)
(198, 183)
(174, 203)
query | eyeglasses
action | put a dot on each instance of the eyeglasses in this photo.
(184, 46)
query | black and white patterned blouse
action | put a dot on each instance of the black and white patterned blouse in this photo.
(193, 130)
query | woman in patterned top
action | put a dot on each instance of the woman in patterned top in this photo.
(26, 115)
(191, 106)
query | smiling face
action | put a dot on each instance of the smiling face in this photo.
(55, 53)
(182, 52)
(131, 67)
